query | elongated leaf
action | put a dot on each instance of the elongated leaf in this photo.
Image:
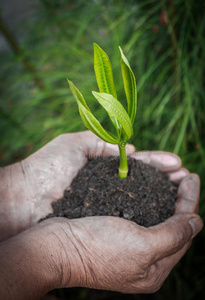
(129, 86)
(77, 94)
(103, 72)
(104, 76)
(94, 125)
(115, 108)
(89, 120)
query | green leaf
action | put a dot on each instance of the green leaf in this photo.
(77, 94)
(89, 120)
(129, 86)
(104, 77)
(94, 125)
(115, 108)
(103, 72)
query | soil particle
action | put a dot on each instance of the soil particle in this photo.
(146, 196)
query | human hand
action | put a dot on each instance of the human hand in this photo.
(28, 188)
(111, 253)
(107, 253)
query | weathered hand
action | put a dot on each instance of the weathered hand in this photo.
(28, 188)
(111, 253)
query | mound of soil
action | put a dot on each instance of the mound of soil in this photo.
(146, 196)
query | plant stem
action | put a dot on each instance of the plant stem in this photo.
(123, 169)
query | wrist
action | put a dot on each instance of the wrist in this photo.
(47, 252)
(28, 265)
(58, 253)
(68, 257)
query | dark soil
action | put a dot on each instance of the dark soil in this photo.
(146, 196)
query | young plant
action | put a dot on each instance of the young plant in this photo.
(107, 97)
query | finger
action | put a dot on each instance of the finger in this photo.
(188, 195)
(95, 147)
(178, 175)
(163, 161)
(171, 236)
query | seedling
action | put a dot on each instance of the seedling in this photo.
(107, 97)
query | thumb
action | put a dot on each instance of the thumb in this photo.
(169, 237)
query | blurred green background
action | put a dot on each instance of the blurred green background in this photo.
(164, 42)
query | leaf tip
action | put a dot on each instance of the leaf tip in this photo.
(69, 82)
(96, 47)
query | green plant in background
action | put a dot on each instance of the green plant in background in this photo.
(107, 97)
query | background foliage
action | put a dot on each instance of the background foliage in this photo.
(164, 42)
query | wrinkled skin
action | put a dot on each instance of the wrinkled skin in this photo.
(98, 252)
(34, 183)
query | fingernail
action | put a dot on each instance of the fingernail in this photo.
(196, 225)
(172, 160)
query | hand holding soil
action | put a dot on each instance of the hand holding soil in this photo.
(98, 252)
(114, 254)
(30, 186)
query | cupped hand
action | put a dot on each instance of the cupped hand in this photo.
(111, 253)
(52, 169)
(29, 187)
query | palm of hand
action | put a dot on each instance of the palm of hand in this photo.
(50, 171)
